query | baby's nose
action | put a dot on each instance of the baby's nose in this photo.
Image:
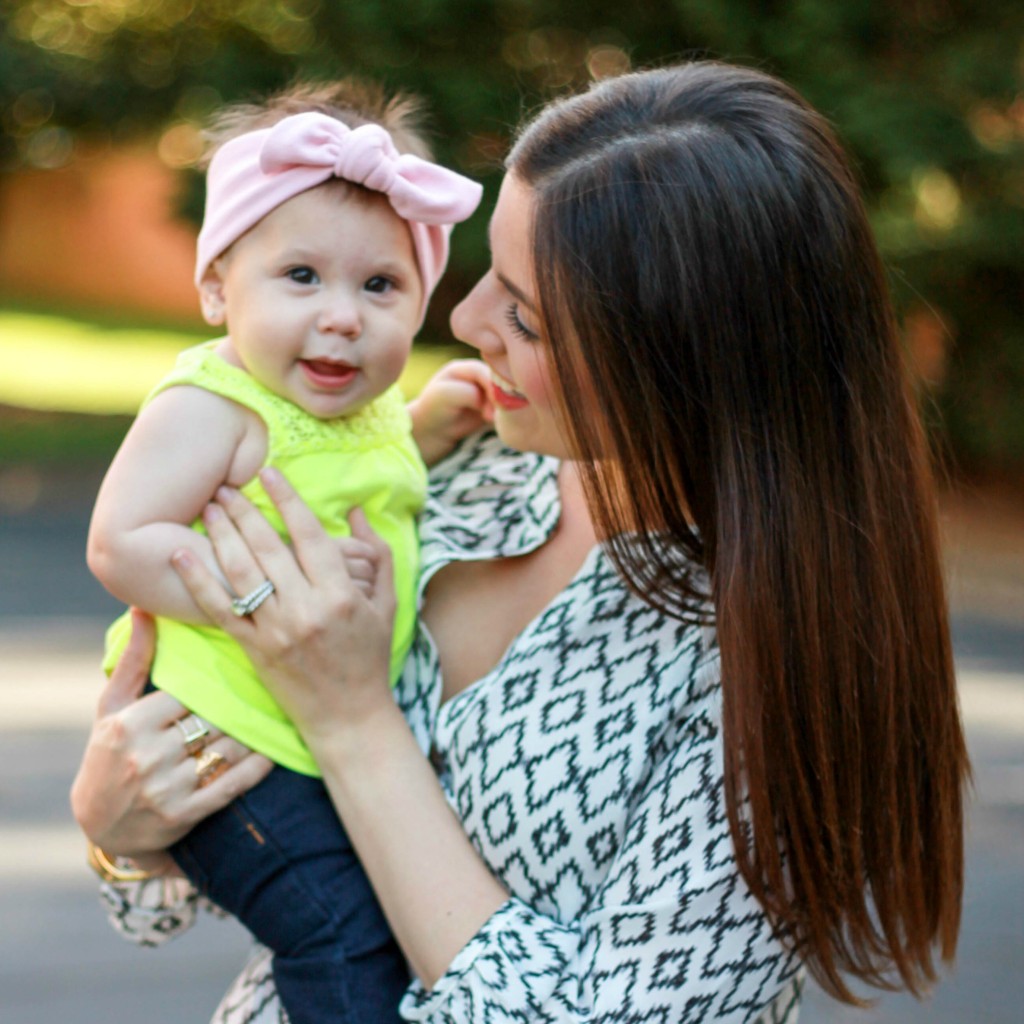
(341, 315)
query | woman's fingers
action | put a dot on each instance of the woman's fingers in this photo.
(157, 711)
(248, 548)
(209, 594)
(242, 774)
(250, 552)
(206, 781)
(314, 549)
(184, 793)
(132, 670)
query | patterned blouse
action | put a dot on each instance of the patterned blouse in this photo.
(586, 768)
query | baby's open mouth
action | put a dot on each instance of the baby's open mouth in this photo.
(328, 373)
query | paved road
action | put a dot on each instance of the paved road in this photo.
(60, 964)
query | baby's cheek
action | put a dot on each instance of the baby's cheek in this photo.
(390, 360)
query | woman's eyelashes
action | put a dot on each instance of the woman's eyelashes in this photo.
(517, 325)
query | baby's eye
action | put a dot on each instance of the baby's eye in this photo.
(379, 284)
(303, 275)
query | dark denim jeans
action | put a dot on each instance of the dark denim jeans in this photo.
(278, 859)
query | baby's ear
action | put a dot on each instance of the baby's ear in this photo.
(211, 295)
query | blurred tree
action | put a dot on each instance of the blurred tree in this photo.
(927, 94)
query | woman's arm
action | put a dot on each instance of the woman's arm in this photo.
(180, 448)
(322, 646)
(672, 934)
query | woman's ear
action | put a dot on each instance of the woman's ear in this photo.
(212, 301)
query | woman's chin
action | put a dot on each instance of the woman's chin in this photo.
(520, 431)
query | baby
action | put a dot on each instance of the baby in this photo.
(326, 229)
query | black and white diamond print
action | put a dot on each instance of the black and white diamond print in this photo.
(587, 771)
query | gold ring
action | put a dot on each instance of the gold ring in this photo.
(193, 731)
(209, 766)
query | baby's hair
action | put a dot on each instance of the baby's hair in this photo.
(353, 101)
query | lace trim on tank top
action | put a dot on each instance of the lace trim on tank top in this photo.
(290, 428)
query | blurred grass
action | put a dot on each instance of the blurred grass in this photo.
(69, 387)
(56, 364)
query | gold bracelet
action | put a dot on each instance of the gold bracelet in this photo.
(109, 871)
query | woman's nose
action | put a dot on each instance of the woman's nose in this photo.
(469, 322)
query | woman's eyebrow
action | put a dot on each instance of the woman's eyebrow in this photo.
(518, 293)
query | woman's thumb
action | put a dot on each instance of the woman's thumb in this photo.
(132, 669)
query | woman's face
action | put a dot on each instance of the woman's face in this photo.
(499, 317)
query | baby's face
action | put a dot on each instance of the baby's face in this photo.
(321, 299)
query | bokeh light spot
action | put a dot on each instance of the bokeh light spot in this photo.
(49, 148)
(607, 61)
(180, 146)
(939, 203)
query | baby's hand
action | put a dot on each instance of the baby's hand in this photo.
(455, 402)
(361, 562)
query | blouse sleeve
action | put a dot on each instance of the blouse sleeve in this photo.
(252, 999)
(151, 912)
(673, 934)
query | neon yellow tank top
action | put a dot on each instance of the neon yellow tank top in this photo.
(369, 460)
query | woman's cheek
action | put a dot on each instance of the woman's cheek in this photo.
(538, 382)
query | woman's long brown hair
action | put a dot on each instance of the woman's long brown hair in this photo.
(709, 284)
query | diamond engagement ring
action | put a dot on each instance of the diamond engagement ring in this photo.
(194, 731)
(209, 766)
(243, 606)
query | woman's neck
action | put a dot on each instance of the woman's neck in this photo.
(575, 516)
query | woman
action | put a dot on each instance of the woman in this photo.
(682, 715)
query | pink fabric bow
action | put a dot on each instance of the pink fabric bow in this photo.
(255, 173)
(417, 189)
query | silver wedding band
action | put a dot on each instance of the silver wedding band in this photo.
(243, 606)
(193, 731)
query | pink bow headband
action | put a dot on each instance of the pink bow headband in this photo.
(255, 173)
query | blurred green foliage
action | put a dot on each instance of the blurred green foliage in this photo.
(926, 94)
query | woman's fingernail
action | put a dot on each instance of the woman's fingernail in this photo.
(212, 513)
(225, 493)
(269, 475)
(182, 559)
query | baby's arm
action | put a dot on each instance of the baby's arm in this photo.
(455, 402)
(181, 448)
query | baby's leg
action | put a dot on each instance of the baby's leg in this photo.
(278, 859)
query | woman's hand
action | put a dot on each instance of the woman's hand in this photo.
(322, 642)
(323, 648)
(137, 791)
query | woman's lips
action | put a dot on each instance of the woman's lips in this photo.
(505, 395)
(327, 373)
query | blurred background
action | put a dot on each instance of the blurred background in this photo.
(102, 103)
